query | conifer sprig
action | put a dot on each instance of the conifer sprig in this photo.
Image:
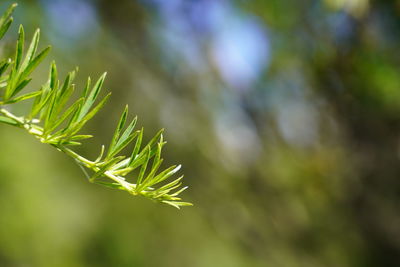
(53, 123)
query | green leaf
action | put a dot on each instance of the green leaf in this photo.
(143, 168)
(19, 74)
(23, 97)
(136, 149)
(165, 189)
(118, 130)
(8, 120)
(140, 159)
(7, 13)
(4, 27)
(101, 154)
(40, 101)
(154, 140)
(91, 98)
(136, 159)
(78, 125)
(73, 108)
(80, 137)
(87, 87)
(74, 115)
(66, 91)
(14, 79)
(20, 86)
(35, 62)
(110, 185)
(156, 165)
(66, 143)
(177, 204)
(6, 20)
(20, 47)
(48, 114)
(31, 50)
(165, 175)
(53, 75)
(4, 65)
(176, 193)
(126, 138)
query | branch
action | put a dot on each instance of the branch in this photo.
(51, 122)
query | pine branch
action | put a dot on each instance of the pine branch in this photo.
(51, 122)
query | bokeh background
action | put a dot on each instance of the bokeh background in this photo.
(285, 116)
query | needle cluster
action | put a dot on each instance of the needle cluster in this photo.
(54, 121)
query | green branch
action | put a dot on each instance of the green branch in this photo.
(53, 123)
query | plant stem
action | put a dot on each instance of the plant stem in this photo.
(37, 131)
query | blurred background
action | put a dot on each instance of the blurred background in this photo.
(284, 114)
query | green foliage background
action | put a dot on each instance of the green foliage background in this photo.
(298, 168)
